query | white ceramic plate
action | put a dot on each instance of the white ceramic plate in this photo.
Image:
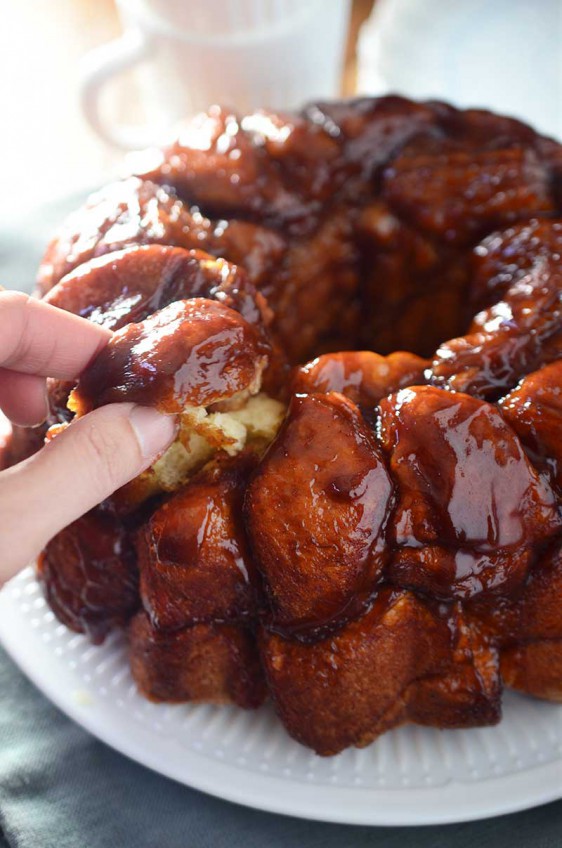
(410, 776)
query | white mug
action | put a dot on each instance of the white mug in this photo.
(239, 53)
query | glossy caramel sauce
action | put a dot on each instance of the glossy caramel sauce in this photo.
(194, 560)
(191, 353)
(471, 509)
(316, 512)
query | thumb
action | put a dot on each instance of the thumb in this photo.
(88, 461)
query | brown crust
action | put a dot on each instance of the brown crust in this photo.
(397, 662)
(209, 663)
(90, 575)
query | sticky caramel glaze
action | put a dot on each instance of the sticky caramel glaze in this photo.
(316, 511)
(337, 205)
(193, 352)
(210, 663)
(467, 692)
(530, 614)
(193, 555)
(503, 258)
(518, 333)
(471, 190)
(472, 511)
(376, 206)
(130, 212)
(129, 285)
(534, 411)
(361, 376)
(89, 574)
(138, 212)
(527, 627)
(275, 168)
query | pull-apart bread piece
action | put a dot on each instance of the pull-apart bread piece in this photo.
(198, 358)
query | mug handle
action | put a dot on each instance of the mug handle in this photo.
(97, 68)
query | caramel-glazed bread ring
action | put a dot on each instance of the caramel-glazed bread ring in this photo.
(355, 311)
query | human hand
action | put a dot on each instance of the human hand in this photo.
(89, 460)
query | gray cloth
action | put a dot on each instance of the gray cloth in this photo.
(61, 788)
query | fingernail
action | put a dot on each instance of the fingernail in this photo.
(47, 411)
(41, 416)
(154, 431)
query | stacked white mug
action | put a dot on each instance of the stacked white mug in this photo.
(240, 53)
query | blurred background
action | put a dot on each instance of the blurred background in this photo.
(503, 54)
(47, 148)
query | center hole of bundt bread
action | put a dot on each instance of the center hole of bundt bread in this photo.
(412, 293)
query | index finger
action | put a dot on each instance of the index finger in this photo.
(36, 338)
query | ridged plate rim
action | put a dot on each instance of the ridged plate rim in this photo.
(454, 801)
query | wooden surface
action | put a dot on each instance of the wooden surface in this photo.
(361, 9)
(46, 147)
